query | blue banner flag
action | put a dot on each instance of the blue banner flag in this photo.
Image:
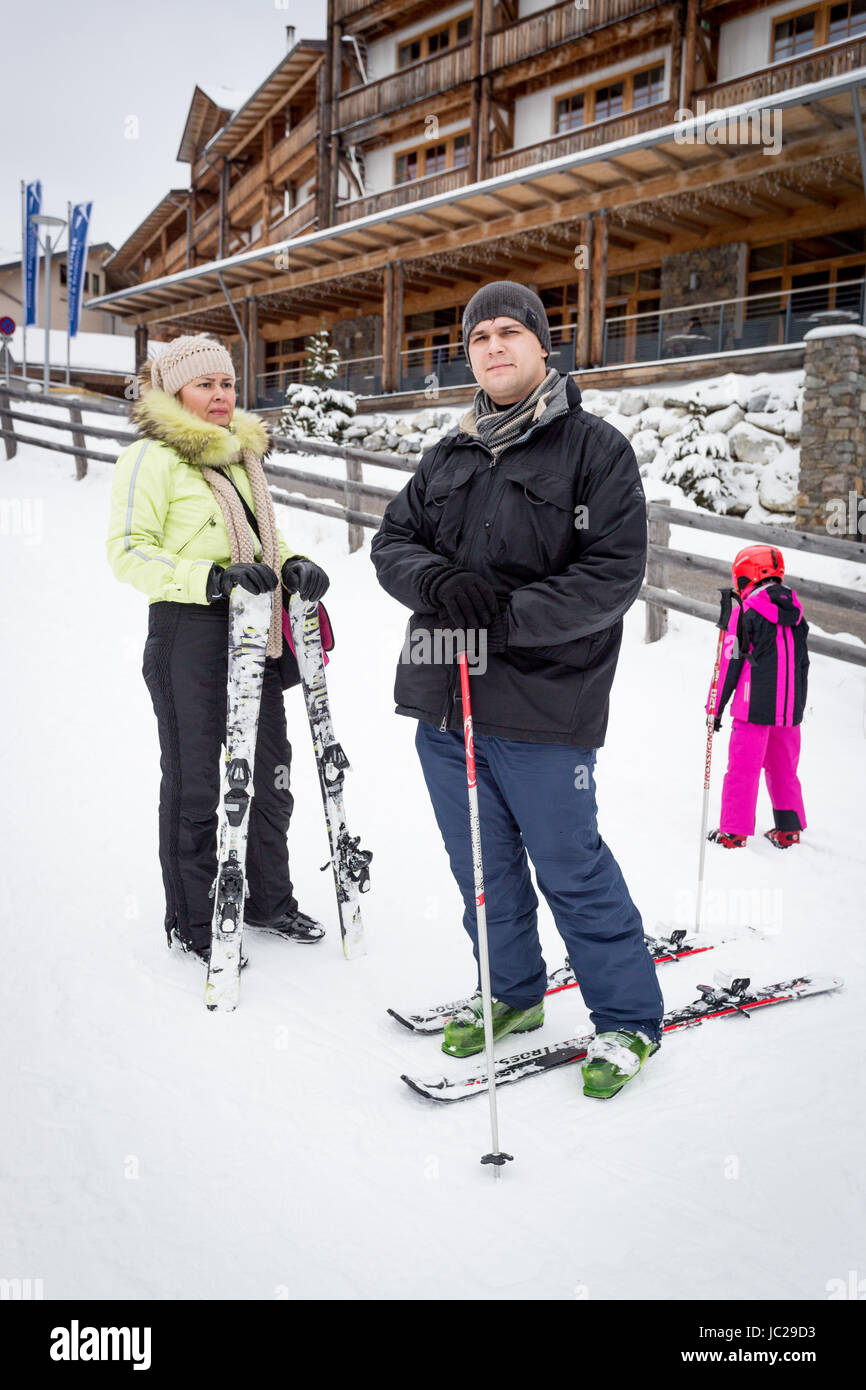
(32, 203)
(77, 261)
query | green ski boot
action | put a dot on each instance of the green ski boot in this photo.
(614, 1058)
(464, 1031)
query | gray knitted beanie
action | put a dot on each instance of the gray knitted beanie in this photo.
(505, 297)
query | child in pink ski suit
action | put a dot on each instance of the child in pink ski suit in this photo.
(764, 666)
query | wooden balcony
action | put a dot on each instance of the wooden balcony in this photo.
(403, 193)
(555, 25)
(291, 145)
(300, 219)
(400, 89)
(833, 61)
(599, 133)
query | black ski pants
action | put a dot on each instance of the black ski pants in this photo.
(186, 669)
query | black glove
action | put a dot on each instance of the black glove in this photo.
(717, 723)
(464, 598)
(304, 578)
(256, 578)
(726, 602)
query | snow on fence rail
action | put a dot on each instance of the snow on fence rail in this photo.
(341, 498)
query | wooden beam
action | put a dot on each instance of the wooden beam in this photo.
(599, 286)
(584, 292)
(689, 57)
(828, 117)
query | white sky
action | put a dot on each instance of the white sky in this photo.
(74, 72)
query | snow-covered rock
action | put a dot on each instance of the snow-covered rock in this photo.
(752, 445)
(632, 402)
(645, 444)
(726, 418)
(626, 424)
(778, 487)
(671, 421)
(787, 423)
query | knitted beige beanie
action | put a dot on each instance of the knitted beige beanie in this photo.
(186, 358)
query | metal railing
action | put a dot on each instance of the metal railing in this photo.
(770, 319)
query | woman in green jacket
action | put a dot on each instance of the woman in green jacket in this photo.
(183, 500)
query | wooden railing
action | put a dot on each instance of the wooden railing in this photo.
(286, 149)
(670, 575)
(599, 133)
(834, 61)
(428, 78)
(297, 221)
(555, 25)
(404, 193)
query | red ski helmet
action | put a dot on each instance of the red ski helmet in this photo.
(754, 563)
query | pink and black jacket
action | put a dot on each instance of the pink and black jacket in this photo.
(765, 659)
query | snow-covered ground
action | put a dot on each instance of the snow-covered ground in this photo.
(156, 1151)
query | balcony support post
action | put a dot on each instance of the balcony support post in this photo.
(392, 326)
(688, 77)
(599, 285)
(243, 337)
(584, 292)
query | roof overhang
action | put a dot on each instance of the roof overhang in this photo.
(147, 230)
(630, 171)
(297, 67)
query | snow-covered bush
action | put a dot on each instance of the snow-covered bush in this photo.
(317, 412)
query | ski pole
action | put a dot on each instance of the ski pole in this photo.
(496, 1157)
(711, 715)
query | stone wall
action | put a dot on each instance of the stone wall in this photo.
(833, 440)
(361, 337)
(722, 275)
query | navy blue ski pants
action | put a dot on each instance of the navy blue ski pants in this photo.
(538, 799)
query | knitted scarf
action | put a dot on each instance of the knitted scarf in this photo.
(499, 428)
(209, 447)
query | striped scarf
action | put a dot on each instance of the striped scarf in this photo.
(499, 428)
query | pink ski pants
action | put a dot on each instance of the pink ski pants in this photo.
(777, 751)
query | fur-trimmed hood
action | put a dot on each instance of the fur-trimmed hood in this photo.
(157, 415)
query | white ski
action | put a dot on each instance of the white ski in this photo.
(249, 623)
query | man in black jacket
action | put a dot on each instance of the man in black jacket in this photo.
(525, 527)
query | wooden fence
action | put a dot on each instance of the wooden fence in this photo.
(675, 579)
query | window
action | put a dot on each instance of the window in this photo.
(461, 151)
(649, 85)
(409, 53)
(95, 283)
(436, 156)
(63, 273)
(631, 92)
(434, 41)
(633, 327)
(407, 167)
(609, 101)
(803, 276)
(569, 113)
(847, 20)
(429, 159)
(793, 36)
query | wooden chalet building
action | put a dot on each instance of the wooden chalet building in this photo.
(676, 178)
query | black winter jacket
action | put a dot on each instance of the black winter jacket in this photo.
(558, 527)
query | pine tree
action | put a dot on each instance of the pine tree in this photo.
(321, 361)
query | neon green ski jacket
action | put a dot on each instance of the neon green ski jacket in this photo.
(166, 527)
